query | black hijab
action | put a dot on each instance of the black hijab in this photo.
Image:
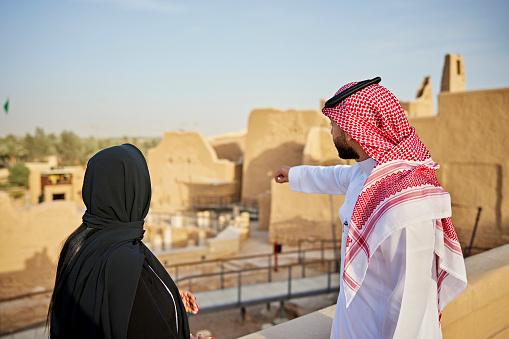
(97, 289)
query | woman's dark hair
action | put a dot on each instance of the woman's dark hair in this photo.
(71, 247)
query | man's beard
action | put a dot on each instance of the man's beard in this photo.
(345, 151)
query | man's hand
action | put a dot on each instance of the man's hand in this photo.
(282, 174)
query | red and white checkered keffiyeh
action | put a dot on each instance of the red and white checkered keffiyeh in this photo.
(401, 190)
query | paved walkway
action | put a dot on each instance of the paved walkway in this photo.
(216, 300)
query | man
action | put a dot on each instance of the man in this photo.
(401, 261)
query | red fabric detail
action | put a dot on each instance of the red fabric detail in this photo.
(376, 120)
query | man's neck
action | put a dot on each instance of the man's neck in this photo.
(362, 157)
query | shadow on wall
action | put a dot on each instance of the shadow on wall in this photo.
(38, 275)
(39, 261)
(261, 169)
(25, 295)
(472, 186)
(229, 151)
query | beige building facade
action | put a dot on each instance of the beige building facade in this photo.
(422, 106)
(467, 139)
(48, 183)
(184, 167)
(40, 229)
(274, 137)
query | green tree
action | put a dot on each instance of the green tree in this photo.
(37, 146)
(90, 147)
(12, 149)
(52, 141)
(18, 175)
(70, 149)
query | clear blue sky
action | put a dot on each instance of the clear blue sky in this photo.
(142, 67)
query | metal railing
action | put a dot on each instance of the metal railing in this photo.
(300, 253)
(322, 242)
(268, 268)
(290, 279)
(270, 258)
(468, 249)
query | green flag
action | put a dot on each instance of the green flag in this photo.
(6, 106)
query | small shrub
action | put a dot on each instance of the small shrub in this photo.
(18, 175)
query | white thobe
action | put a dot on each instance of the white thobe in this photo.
(398, 297)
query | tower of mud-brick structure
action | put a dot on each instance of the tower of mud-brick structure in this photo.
(453, 74)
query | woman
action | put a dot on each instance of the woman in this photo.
(108, 283)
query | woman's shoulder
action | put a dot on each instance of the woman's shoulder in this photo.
(125, 255)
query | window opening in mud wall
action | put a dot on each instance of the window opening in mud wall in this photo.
(59, 196)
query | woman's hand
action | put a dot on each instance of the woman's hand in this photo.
(189, 301)
(200, 337)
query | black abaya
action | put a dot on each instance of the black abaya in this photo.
(106, 281)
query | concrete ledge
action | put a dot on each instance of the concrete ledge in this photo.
(314, 325)
(479, 312)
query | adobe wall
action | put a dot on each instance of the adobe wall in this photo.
(181, 159)
(306, 216)
(319, 149)
(478, 312)
(274, 138)
(296, 215)
(453, 74)
(423, 104)
(229, 146)
(26, 234)
(30, 242)
(225, 244)
(468, 139)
